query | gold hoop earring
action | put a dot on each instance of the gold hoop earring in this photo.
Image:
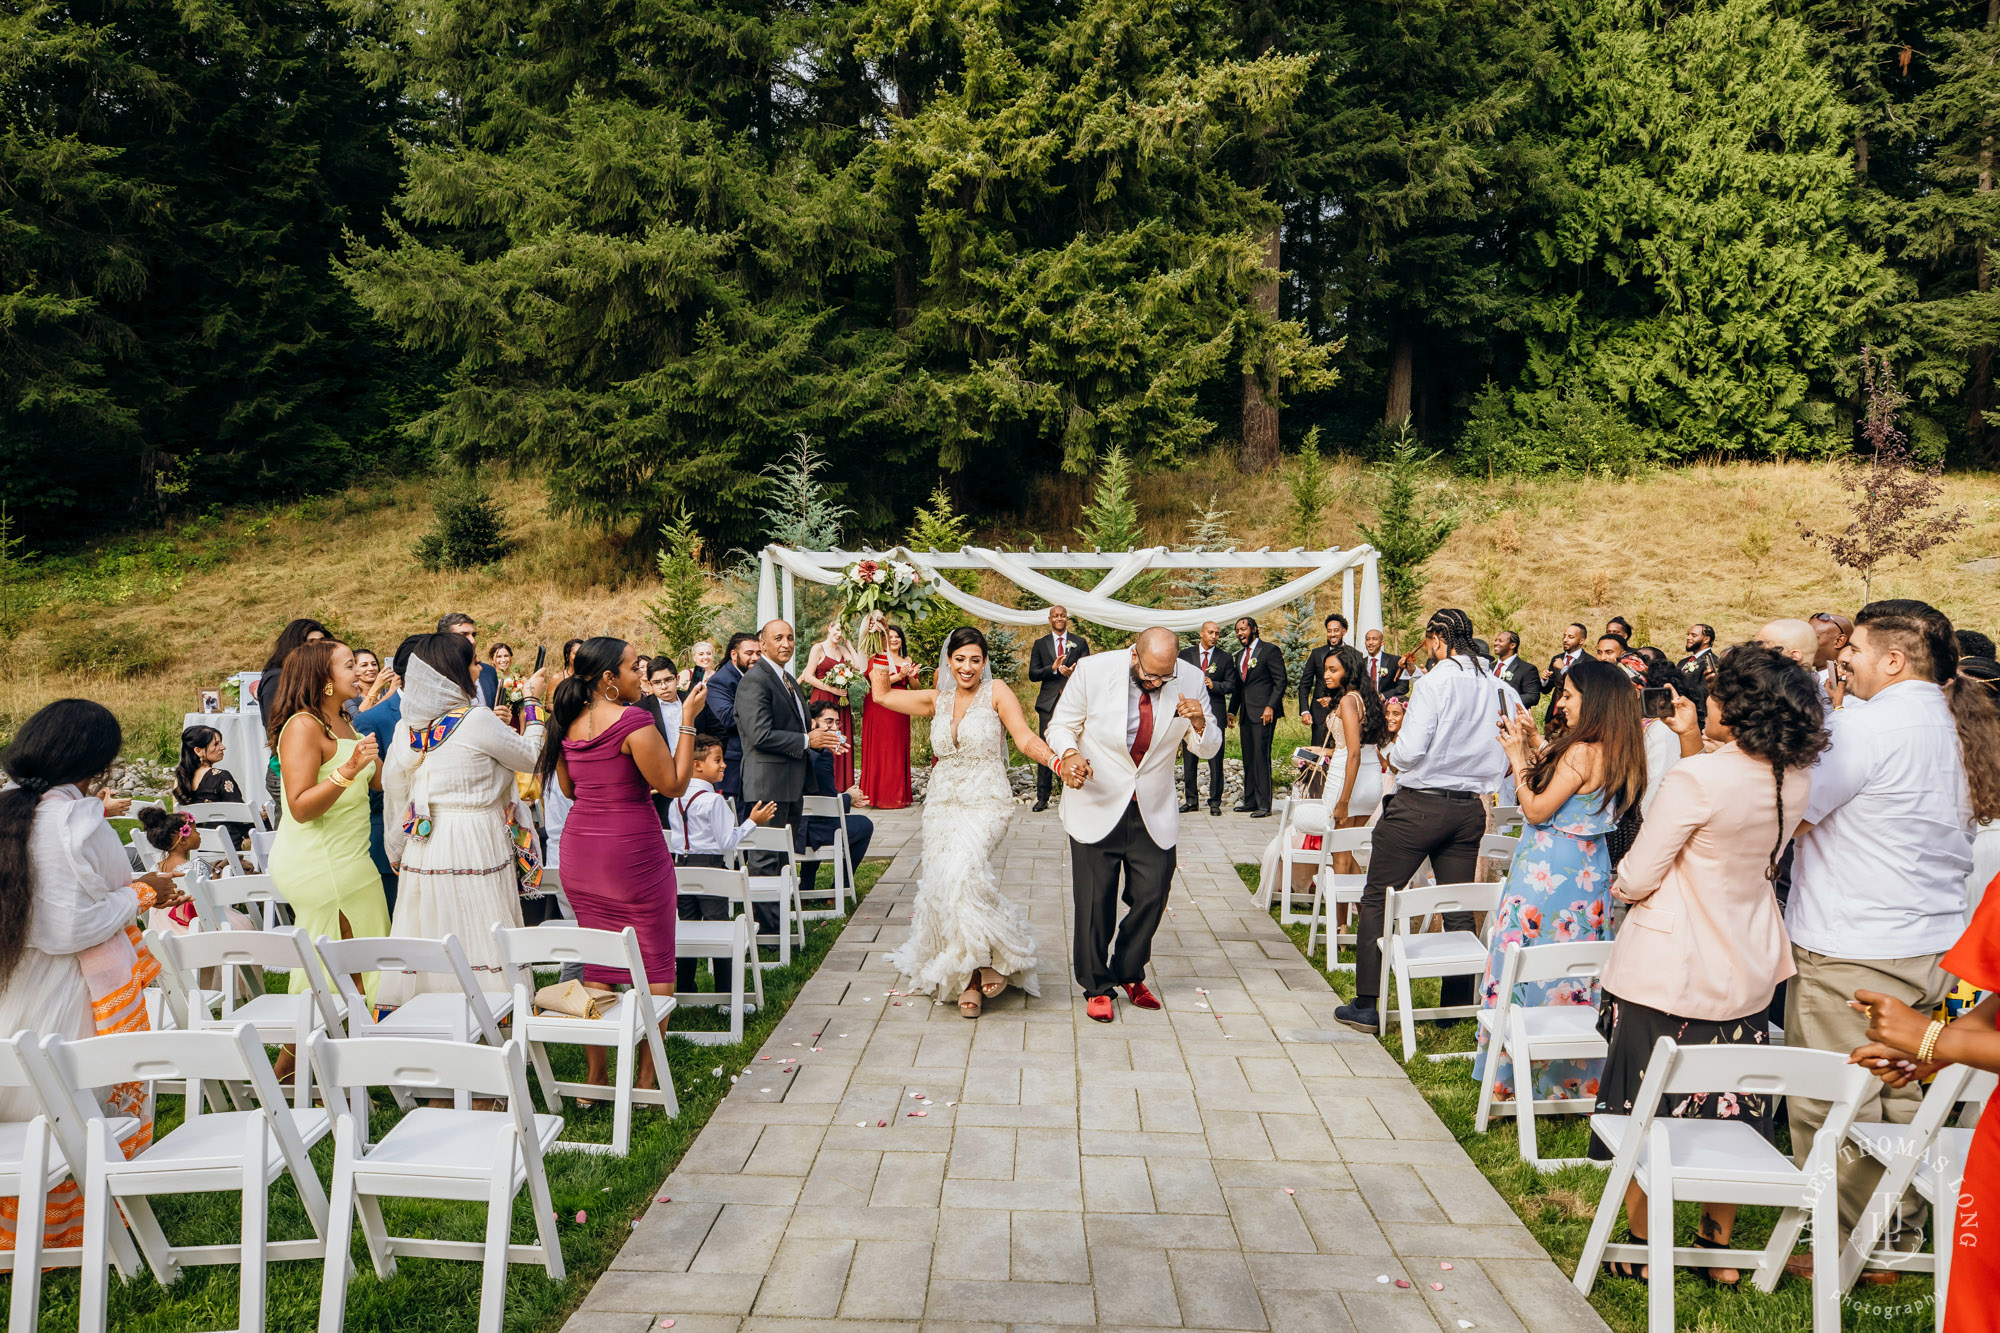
(329, 690)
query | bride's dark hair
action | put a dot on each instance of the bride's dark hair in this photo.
(966, 636)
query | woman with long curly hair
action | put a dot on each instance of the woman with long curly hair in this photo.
(1572, 792)
(1704, 947)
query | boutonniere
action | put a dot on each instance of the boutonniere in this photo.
(1253, 661)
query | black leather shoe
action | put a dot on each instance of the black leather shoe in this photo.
(1361, 1020)
(1215, 809)
(1188, 809)
(1241, 809)
(1040, 806)
(1260, 814)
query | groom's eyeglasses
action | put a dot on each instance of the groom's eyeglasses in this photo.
(1149, 680)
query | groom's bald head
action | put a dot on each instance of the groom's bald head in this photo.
(1155, 651)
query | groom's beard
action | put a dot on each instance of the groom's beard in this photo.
(1142, 684)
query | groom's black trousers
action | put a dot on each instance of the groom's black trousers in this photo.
(1095, 870)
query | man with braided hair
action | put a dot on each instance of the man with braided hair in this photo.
(1447, 758)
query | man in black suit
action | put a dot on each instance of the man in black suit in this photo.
(1314, 675)
(777, 740)
(1050, 661)
(1260, 693)
(1219, 667)
(487, 691)
(1701, 652)
(1378, 664)
(1507, 664)
(718, 717)
(1552, 679)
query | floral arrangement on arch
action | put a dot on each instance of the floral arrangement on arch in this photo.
(893, 587)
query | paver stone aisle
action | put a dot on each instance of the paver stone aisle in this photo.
(1236, 1161)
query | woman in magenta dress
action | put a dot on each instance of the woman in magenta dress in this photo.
(609, 758)
(885, 734)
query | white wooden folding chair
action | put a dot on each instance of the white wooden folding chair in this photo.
(781, 889)
(1290, 853)
(1499, 846)
(1927, 1155)
(1725, 1161)
(434, 1153)
(729, 940)
(149, 855)
(34, 1160)
(1505, 817)
(261, 843)
(278, 1019)
(244, 1150)
(1332, 890)
(832, 807)
(1525, 1033)
(552, 887)
(256, 896)
(1409, 951)
(467, 1012)
(636, 1016)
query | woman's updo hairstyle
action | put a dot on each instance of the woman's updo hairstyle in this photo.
(162, 829)
(966, 636)
(594, 659)
(1772, 705)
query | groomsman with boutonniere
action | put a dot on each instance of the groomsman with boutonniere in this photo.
(1559, 665)
(1260, 693)
(1218, 667)
(1051, 661)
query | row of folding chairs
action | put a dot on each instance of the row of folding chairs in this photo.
(431, 1153)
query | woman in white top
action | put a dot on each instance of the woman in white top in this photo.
(452, 813)
(1351, 715)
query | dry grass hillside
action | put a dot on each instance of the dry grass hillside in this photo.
(1718, 544)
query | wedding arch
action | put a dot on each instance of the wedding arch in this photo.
(781, 566)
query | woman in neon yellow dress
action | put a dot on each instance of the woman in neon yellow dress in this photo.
(320, 861)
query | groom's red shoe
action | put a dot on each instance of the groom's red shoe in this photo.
(1100, 1008)
(1136, 991)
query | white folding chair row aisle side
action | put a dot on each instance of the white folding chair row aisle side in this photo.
(782, 889)
(243, 1150)
(465, 1013)
(1725, 1161)
(636, 1016)
(1338, 889)
(278, 1019)
(435, 1153)
(729, 940)
(831, 807)
(1927, 1156)
(1409, 952)
(1527, 1033)
(36, 1157)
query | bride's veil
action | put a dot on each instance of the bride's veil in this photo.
(947, 682)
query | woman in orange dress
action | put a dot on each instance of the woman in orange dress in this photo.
(1896, 1036)
(885, 734)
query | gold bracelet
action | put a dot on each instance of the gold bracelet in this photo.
(1929, 1046)
(337, 780)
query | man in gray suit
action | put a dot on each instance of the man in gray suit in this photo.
(771, 719)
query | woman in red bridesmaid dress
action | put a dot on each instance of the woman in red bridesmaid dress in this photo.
(885, 734)
(831, 651)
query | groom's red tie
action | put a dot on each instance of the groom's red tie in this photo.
(1144, 737)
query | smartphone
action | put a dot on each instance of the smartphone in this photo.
(1305, 756)
(1656, 702)
(1501, 695)
(541, 656)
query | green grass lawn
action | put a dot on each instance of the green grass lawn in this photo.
(1558, 1207)
(606, 1193)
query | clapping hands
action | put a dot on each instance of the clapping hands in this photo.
(1519, 738)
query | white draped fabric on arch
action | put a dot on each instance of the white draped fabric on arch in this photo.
(780, 566)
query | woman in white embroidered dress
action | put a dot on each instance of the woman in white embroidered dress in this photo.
(448, 789)
(966, 937)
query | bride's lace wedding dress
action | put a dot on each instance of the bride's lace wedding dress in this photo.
(962, 921)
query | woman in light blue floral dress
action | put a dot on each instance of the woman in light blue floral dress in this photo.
(1571, 792)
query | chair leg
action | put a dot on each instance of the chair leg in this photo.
(25, 1302)
(1826, 1259)
(97, 1208)
(624, 1079)
(339, 1270)
(499, 1219)
(1409, 1021)
(1608, 1206)
(542, 1205)
(256, 1225)
(662, 1075)
(545, 1074)
(736, 995)
(1524, 1108)
(1784, 1236)
(1660, 1242)
(1483, 1116)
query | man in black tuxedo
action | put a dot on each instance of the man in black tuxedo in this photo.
(718, 716)
(777, 740)
(1379, 664)
(1260, 693)
(1050, 662)
(1507, 664)
(1219, 667)
(1314, 676)
(1552, 679)
(1701, 652)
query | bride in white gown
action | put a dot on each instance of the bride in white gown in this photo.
(967, 939)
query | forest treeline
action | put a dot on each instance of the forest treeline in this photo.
(635, 247)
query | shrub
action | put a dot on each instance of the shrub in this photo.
(118, 651)
(470, 530)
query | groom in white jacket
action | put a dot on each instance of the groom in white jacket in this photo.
(1118, 730)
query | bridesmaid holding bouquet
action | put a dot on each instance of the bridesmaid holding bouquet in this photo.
(885, 734)
(832, 665)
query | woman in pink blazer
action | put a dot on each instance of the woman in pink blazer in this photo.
(1703, 948)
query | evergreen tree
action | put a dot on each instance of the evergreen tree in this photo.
(682, 616)
(938, 527)
(1407, 532)
(1207, 531)
(1111, 524)
(470, 528)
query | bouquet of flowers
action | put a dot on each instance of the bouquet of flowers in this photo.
(514, 689)
(892, 587)
(841, 677)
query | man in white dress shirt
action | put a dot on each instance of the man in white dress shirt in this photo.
(1447, 758)
(1878, 888)
(1115, 733)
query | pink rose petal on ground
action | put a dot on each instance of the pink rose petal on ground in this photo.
(1290, 1190)
(581, 1216)
(1437, 1286)
(1403, 1282)
(664, 1198)
(1445, 1266)
(798, 1043)
(763, 1057)
(880, 1123)
(666, 1323)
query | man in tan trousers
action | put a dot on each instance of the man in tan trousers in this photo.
(1878, 894)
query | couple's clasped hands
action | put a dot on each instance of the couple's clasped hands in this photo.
(1896, 1034)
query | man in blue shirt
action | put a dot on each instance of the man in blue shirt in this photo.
(719, 718)
(381, 722)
